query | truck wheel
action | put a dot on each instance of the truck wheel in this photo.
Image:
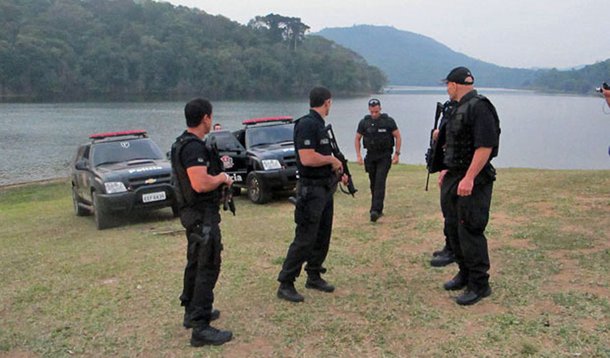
(102, 219)
(78, 210)
(257, 192)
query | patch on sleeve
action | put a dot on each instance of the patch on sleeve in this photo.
(200, 160)
(307, 142)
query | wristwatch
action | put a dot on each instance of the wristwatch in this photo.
(397, 152)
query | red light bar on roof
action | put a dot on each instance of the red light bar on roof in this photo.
(267, 120)
(118, 134)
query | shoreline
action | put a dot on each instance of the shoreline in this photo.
(39, 181)
(65, 179)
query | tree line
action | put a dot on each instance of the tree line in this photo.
(75, 49)
(581, 81)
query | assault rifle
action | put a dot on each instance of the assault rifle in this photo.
(226, 191)
(432, 153)
(337, 153)
(227, 199)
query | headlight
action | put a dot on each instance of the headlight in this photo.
(115, 187)
(269, 164)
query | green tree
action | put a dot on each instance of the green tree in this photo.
(84, 48)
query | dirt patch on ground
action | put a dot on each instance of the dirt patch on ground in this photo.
(17, 354)
(543, 208)
(573, 276)
(256, 347)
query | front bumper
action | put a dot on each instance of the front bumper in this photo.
(133, 200)
(278, 178)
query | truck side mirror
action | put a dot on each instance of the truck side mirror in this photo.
(81, 164)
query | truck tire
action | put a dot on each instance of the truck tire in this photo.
(102, 219)
(78, 209)
(257, 193)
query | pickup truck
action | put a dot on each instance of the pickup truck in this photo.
(260, 157)
(116, 173)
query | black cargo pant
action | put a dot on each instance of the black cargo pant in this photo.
(465, 220)
(377, 166)
(313, 216)
(202, 269)
(446, 228)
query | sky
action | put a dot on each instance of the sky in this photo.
(512, 33)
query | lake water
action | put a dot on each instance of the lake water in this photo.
(37, 141)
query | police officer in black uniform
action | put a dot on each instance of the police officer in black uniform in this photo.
(472, 137)
(199, 177)
(378, 132)
(313, 214)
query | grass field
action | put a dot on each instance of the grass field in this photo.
(70, 290)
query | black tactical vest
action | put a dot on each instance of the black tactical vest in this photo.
(377, 136)
(459, 149)
(187, 197)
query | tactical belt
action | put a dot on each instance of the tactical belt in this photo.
(315, 182)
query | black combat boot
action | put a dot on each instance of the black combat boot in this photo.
(289, 293)
(442, 258)
(187, 323)
(316, 282)
(375, 215)
(470, 297)
(444, 251)
(208, 335)
(458, 282)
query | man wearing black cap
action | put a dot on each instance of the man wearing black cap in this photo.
(378, 132)
(471, 140)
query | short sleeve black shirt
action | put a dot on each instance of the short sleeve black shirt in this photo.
(195, 153)
(384, 121)
(484, 126)
(377, 135)
(485, 132)
(310, 133)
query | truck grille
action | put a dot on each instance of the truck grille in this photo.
(290, 161)
(136, 183)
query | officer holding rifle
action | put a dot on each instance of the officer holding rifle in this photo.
(199, 177)
(472, 138)
(313, 215)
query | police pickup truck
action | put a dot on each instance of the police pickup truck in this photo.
(260, 157)
(118, 172)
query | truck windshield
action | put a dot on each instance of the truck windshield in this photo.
(124, 151)
(265, 135)
(225, 140)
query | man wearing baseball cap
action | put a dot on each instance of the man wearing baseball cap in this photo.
(471, 140)
(380, 136)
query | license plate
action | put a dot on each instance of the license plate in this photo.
(150, 197)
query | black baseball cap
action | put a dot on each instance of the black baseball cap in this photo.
(374, 102)
(459, 76)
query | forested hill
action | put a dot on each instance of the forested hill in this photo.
(412, 59)
(583, 80)
(74, 49)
